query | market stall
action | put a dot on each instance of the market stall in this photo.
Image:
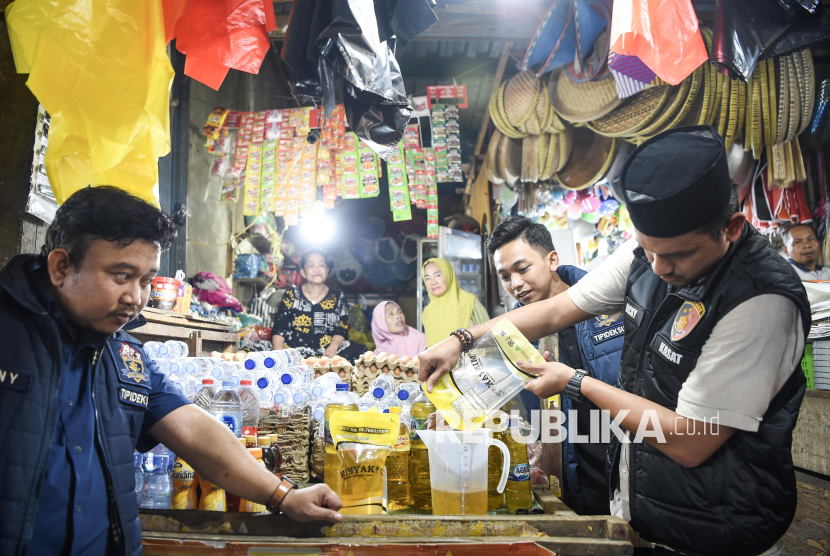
(377, 161)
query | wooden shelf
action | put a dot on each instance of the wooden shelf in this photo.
(201, 335)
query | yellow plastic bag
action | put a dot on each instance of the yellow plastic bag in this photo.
(100, 68)
(364, 440)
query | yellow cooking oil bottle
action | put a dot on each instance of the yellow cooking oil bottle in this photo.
(397, 468)
(495, 499)
(517, 493)
(341, 401)
(419, 484)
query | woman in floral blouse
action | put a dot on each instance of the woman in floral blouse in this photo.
(314, 318)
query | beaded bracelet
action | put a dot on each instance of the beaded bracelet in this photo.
(465, 337)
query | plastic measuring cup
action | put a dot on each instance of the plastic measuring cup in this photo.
(458, 470)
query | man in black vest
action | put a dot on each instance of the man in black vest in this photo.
(710, 382)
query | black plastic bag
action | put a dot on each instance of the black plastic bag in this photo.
(750, 30)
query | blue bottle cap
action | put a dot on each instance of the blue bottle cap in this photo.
(298, 398)
(378, 392)
(318, 414)
(341, 387)
(286, 378)
(279, 397)
(403, 395)
(250, 364)
(269, 362)
(317, 391)
(386, 410)
(227, 384)
(262, 383)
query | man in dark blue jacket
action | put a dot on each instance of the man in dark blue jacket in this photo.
(528, 267)
(77, 395)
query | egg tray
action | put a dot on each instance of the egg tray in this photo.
(370, 365)
(337, 364)
(318, 451)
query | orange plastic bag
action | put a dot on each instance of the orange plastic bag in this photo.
(101, 70)
(664, 34)
(217, 35)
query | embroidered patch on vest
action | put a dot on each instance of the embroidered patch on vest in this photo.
(690, 313)
(604, 327)
(15, 381)
(133, 364)
(132, 397)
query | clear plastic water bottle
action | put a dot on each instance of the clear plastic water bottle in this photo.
(307, 371)
(303, 398)
(176, 349)
(158, 483)
(138, 465)
(382, 387)
(295, 377)
(367, 401)
(186, 383)
(152, 349)
(318, 410)
(205, 394)
(294, 357)
(175, 366)
(160, 366)
(227, 407)
(407, 392)
(237, 373)
(283, 395)
(324, 387)
(200, 367)
(250, 408)
(259, 361)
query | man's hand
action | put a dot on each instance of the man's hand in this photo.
(551, 377)
(438, 361)
(314, 503)
(329, 352)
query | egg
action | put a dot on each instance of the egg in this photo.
(228, 356)
(397, 371)
(381, 356)
(416, 362)
(342, 373)
(373, 367)
(325, 361)
(393, 358)
(368, 355)
(409, 373)
(405, 360)
(216, 354)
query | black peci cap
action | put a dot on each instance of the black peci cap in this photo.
(677, 181)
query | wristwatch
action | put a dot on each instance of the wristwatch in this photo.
(279, 495)
(574, 387)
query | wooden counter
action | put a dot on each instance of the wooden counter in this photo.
(559, 531)
(201, 335)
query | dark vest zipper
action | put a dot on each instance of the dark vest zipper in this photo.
(638, 377)
(116, 524)
(50, 416)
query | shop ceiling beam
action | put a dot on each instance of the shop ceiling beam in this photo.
(485, 122)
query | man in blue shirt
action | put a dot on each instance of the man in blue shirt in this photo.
(528, 266)
(77, 394)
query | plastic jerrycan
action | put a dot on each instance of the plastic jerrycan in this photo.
(458, 465)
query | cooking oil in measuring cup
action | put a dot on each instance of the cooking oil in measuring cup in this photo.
(458, 470)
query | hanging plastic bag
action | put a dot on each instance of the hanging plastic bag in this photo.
(103, 75)
(664, 34)
(217, 35)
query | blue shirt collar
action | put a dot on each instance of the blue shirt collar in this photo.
(802, 267)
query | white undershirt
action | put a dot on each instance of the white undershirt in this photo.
(750, 354)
